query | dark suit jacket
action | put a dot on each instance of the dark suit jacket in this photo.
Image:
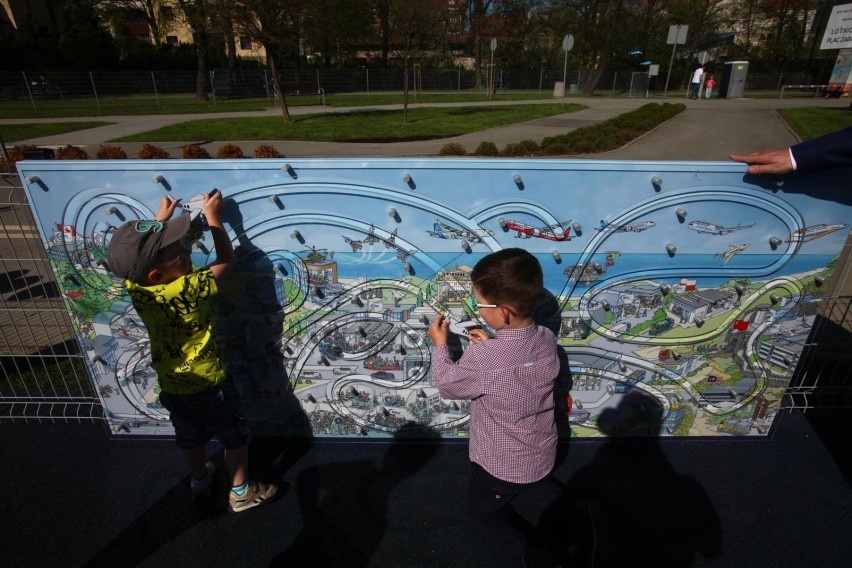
(833, 150)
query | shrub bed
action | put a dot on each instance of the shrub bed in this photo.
(111, 153)
(229, 151)
(195, 152)
(613, 133)
(151, 152)
(71, 153)
(267, 151)
(452, 149)
(486, 148)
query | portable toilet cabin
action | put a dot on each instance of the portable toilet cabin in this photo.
(733, 79)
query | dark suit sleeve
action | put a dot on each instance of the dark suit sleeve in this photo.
(833, 150)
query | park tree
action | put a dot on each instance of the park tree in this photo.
(222, 19)
(197, 16)
(477, 11)
(274, 24)
(334, 29)
(159, 14)
(413, 24)
(786, 33)
(595, 25)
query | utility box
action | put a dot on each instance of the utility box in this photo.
(733, 79)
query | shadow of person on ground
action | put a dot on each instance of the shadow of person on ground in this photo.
(172, 515)
(825, 363)
(345, 506)
(629, 505)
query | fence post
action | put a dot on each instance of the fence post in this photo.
(95, 90)
(614, 77)
(213, 86)
(29, 91)
(368, 81)
(541, 80)
(156, 94)
(458, 88)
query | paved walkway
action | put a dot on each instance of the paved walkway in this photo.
(708, 130)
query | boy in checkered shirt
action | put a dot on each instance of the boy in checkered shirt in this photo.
(509, 380)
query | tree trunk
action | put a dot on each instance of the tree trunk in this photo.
(277, 82)
(605, 52)
(230, 43)
(476, 24)
(201, 79)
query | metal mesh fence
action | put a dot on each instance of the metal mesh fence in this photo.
(221, 84)
(823, 378)
(44, 374)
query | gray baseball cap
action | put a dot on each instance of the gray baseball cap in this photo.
(134, 246)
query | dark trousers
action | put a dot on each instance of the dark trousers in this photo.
(508, 516)
(693, 90)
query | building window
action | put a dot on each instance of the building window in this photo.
(245, 43)
(171, 40)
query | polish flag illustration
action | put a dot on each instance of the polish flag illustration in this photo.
(687, 284)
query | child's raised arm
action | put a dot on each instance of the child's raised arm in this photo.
(166, 208)
(212, 209)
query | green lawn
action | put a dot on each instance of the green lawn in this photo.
(377, 125)
(127, 106)
(123, 106)
(810, 122)
(15, 132)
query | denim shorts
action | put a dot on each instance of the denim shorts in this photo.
(216, 412)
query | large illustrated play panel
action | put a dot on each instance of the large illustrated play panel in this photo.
(692, 284)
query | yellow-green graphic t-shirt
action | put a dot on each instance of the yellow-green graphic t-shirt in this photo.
(179, 318)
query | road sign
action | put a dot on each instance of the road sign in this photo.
(567, 42)
(677, 34)
(703, 57)
(838, 30)
(493, 43)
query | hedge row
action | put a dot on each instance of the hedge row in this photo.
(608, 135)
(147, 152)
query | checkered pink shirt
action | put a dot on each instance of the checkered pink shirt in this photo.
(509, 380)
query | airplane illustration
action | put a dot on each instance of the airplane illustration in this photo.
(636, 227)
(443, 231)
(390, 241)
(713, 229)
(371, 237)
(194, 206)
(549, 232)
(814, 232)
(729, 254)
(356, 245)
